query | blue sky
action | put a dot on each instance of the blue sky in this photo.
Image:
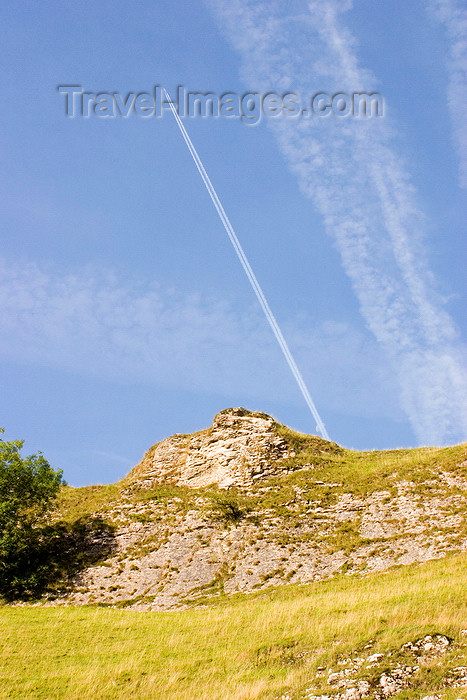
(126, 316)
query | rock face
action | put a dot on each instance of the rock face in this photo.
(239, 448)
(323, 510)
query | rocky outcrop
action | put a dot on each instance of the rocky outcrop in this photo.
(239, 448)
(357, 677)
(300, 510)
(171, 552)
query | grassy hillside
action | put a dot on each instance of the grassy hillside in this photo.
(244, 647)
(327, 510)
(319, 470)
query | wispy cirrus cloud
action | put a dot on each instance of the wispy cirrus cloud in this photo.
(359, 183)
(454, 18)
(94, 324)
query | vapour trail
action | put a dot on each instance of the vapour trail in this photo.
(454, 18)
(354, 173)
(249, 272)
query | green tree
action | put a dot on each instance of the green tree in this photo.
(39, 554)
(28, 488)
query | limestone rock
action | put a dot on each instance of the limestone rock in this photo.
(174, 547)
(239, 448)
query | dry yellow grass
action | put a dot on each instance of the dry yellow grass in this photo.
(244, 648)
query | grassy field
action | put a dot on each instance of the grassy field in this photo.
(246, 647)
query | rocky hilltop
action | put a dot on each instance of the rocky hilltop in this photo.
(248, 503)
(239, 448)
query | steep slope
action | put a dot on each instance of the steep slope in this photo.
(248, 504)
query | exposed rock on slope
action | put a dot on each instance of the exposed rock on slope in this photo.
(248, 503)
(239, 448)
(381, 676)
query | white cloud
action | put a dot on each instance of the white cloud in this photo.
(362, 189)
(93, 324)
(454, 18)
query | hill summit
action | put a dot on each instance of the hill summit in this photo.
(239, 448)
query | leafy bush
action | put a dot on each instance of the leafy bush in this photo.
(34, 553)
(230, 507)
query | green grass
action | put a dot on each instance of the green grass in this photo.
(364, 472)
(358, 473)
(245, 647)
(75, 503)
